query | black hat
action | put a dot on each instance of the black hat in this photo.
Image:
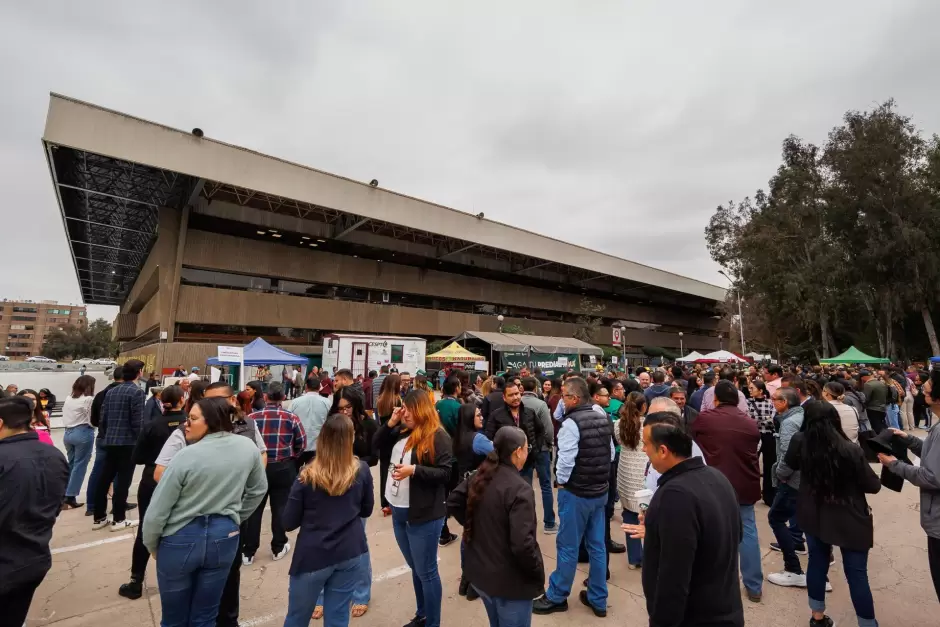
(881, 443)
(864, 373)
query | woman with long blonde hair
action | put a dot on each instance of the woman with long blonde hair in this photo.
(329, 502)
(420, 470)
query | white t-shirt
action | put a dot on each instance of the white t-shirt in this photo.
(77, 411)
(652, 476)
(399, 456)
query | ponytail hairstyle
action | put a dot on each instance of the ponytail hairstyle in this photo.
(836, 390)
(171, 397)
(218, 413)
(507, 440)
(631, 420)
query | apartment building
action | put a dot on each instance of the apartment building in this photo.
(24, 324)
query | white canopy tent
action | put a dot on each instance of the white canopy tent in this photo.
(694, 355)
(723, 357)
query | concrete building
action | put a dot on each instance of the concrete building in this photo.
(24, 324)
(203, 243)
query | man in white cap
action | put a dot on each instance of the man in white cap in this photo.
(194, 375)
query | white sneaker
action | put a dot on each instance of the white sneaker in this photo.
(283, 553)
(248, 561)
(100, 524)
(124, 524)
(786, 578)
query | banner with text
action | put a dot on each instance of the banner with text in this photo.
(549, 363)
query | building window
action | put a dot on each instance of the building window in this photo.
(30, 318)
(398, 353)
(81, 314)
(17, 327)
(25, 309)
(65, 312)
(52, 311)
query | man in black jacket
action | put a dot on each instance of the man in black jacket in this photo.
(33, 477)
(689, 414)
(514, 413)
(692, 531)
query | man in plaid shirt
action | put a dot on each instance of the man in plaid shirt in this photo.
(121, 418)
(285, 439)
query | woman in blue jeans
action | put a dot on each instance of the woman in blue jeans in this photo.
(191, 526)
(329, 502)
(502, 558)
(418, 475)
(832, 509)
(79, 436)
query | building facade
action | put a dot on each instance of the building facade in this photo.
(24, 324)
(201, 243)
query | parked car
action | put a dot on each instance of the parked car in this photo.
(40, 359)
(103, 362)
(83, 361)
(4, 358)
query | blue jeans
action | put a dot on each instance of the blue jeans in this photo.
(893, 414)
(855, 565)
(192, 566)
(749, 551)
(336, 582)
(543, 465)
(507, 612)
(79, 442)
(363, 591)
(782, 510)
(580, 518)
(634, 546)
(418, 544)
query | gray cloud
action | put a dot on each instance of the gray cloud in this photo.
(619, 126)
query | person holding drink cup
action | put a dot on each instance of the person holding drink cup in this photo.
(418, 475)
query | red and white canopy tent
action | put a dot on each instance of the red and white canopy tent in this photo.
(722, 357)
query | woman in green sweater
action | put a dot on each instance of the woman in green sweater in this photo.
(191, 525)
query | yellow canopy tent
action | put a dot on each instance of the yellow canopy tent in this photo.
(455, 353)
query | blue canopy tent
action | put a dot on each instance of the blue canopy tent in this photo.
(935, 360)
(260, 353)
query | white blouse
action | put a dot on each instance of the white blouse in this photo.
(77, 411)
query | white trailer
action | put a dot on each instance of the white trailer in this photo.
(362, 353)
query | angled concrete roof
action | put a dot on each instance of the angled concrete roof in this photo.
(93, 129)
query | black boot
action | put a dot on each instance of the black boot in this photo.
(134, 589)
(464, 584)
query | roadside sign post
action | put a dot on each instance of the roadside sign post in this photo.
(234, 353)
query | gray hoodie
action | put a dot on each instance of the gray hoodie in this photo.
(926, 477)
(790, 423)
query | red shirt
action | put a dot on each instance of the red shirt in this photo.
(728, 438)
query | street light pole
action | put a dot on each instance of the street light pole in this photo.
(681, 350)
(740, 311)
(721, 346)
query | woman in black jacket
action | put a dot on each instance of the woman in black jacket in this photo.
(421, 467)
(153, 435)
(832, 509)
(496, 506)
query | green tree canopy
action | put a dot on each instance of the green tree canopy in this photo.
(93, 341)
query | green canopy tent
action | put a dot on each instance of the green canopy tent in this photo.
(854, 356)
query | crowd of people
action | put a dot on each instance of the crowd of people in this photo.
(686, 451)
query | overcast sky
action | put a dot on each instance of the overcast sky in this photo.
(617, 125)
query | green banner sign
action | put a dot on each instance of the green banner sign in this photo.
(549, 363)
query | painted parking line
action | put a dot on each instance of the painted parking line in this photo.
(388, 574)
(88, 545)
